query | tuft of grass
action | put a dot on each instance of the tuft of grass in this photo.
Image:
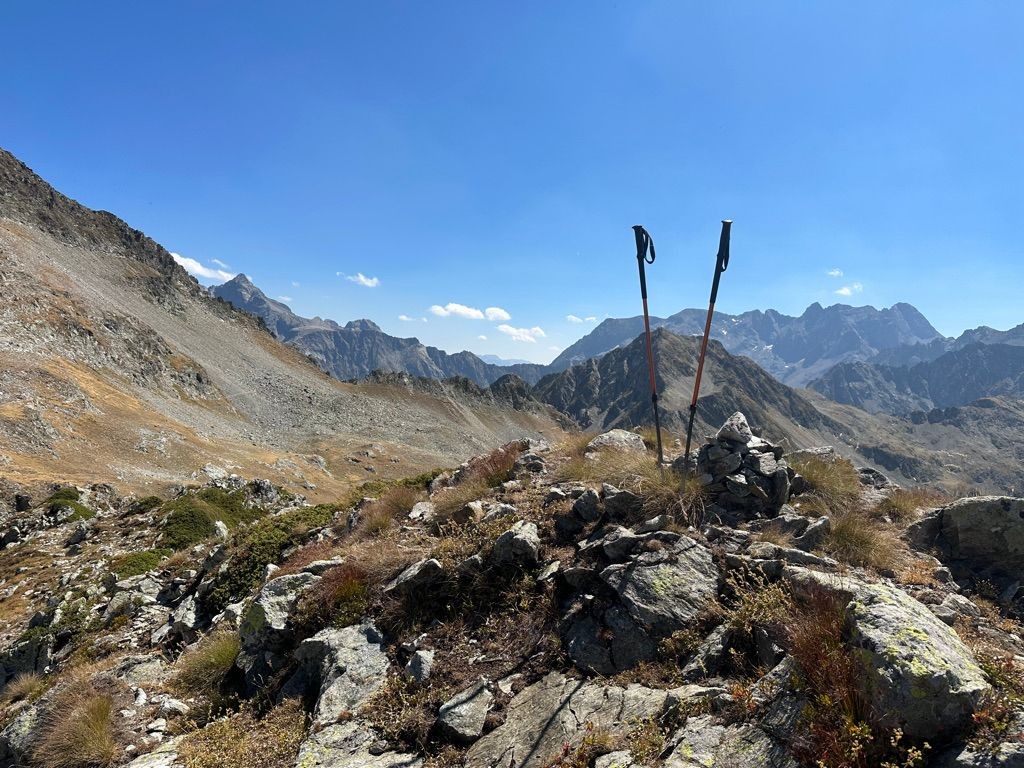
(339, 599)
(397, 502)
(834, 483)
(136, 563)
(26, 686)
(202, 670)
(68, 497)
(65, 493)
(245, 741)
(650, 437)
(903, 504)
(663, 491)
(857, 539)
(493, 468)
(450, 500)
(190, 518)
(78, 732)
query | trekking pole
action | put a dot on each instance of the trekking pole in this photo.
(645, 244)
(721, 264)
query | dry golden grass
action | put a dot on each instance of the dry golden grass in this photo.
(595, 742)
(394, 504)
(663, 491)
(78, 731)
(245, 741)
(575, 445)
(777, 537)
(201, 671)
(448, 501)
(904, 504)
(339, 599)
(834, 483)
(858, 539)
(26, 686)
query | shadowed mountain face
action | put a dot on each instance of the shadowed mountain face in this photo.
(954, 378)
(354, 350)
(793, 349)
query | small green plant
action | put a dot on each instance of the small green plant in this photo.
(68, 498)
(136, 563)
(262, 543)
(145, 504)
(190, 518)
(403, 710)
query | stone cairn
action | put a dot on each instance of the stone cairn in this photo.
(744, 475)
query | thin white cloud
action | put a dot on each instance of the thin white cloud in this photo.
(523, 334)
(574, 319)
(849, 290)
(457, 310)
(295, 284)
(553, 348)
(590, 319)
(497, 313)
(837, 272)
(360, 279)
(482, 337)
(196, 269)
(407, 319)
(220, 263)
(285, 299)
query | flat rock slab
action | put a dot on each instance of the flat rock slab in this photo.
(554, 711)
(705, 743)
(664, 591)
(618, 440)
(348, 745)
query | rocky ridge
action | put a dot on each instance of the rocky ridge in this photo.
(536, 607)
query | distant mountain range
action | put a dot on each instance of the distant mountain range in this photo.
(953, 378)
(356, 349)
(794, 350)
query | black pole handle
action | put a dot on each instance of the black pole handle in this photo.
(722, 260)
(644, 254)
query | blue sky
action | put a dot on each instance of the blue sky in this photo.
(495, 155)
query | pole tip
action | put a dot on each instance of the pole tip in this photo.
(727, 221)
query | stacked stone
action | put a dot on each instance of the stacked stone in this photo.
(743, 474)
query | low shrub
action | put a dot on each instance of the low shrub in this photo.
(838, 727)
(493, 468)
(263, 543)
(339, 599)
(78, 732)
(190, 518)
(245, 741)
(403, 710)
(136, 563)
(68, 498)
(202, 670)
(145, 504)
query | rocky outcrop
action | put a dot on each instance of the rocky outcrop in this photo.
(918, 674)
(548, 715)
(266, 633)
